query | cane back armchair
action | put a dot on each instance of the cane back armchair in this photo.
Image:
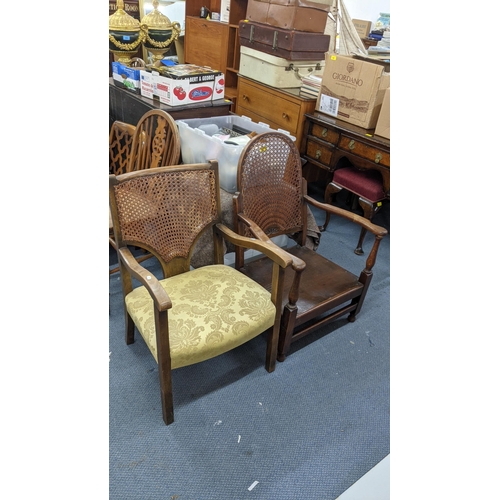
(187, 316)
(272, 196)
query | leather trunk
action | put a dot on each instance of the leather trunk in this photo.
(292, 45)
(300, 15)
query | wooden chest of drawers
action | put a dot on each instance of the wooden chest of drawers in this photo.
(326, 141)
(278, 108)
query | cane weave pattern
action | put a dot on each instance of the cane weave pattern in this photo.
(269, 180)
(167, 210)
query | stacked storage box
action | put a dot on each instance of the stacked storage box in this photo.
(283, 41)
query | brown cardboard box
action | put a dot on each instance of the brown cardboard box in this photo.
(352, 90)
(383, 127)
(362, 27)
(300, 15)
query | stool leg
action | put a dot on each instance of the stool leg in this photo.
(330, 193)
(368, 213)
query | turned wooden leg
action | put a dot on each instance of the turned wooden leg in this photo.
(330, 193)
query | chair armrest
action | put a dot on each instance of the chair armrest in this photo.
(358, 219)
(158, 294)
(297, 264)
(268, 248)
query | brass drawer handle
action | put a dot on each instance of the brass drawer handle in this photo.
(318, 154)
(324, 132)
(284, 116)
(245, 97)
(378, 157)
(352, 144)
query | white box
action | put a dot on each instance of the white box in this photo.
(198, 144)
(224, 11)
(276, 71)
(193, 84)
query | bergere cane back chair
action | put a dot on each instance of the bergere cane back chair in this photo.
(272, 194)
(188, 316)
(154, 142)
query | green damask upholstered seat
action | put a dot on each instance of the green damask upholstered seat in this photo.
(188, 315)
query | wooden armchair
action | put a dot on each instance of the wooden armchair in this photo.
(153, 142)
(188, 316)
(271, 199)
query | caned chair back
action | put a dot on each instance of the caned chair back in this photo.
(269, 182)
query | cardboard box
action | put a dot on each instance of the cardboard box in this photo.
(183, 84)
(383, 127)
(300, 15)
(125, 77)
(352, 90)
(362, 27)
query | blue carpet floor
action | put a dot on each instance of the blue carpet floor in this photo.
(309, 430)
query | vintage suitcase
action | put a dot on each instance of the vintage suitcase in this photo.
(276, 71)
(290, 44)
(300, 15)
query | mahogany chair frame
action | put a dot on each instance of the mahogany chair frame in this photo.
(271, 200)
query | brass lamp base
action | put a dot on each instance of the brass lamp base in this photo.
(124, 57)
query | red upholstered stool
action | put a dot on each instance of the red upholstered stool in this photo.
(366, 184)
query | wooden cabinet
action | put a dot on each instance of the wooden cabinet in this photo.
(215, 43)
(327, 141)
(279, 108)
(210, 37)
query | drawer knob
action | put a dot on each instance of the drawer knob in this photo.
(318, 154)
(284, 116)
(378, 157)
(324, 132)
(245, 97)
(352, 144)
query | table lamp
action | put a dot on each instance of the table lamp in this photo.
(161, 32)
(125, 34)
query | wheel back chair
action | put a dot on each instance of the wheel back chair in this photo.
(154, 142)
(368, 188)
(272, 196)
(188, 316)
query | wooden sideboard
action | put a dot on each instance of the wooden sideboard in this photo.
(128, 107)
(278, 108)
(327, 141)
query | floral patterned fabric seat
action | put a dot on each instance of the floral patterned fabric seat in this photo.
(215, 309)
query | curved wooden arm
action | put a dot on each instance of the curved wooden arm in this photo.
(158, 294)
(274, 252)
(358, 219)
(297, 264)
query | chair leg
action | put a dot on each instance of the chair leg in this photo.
(368, 212)
(286, 331)
(129, 329)
(330, 194)
(164, 366)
